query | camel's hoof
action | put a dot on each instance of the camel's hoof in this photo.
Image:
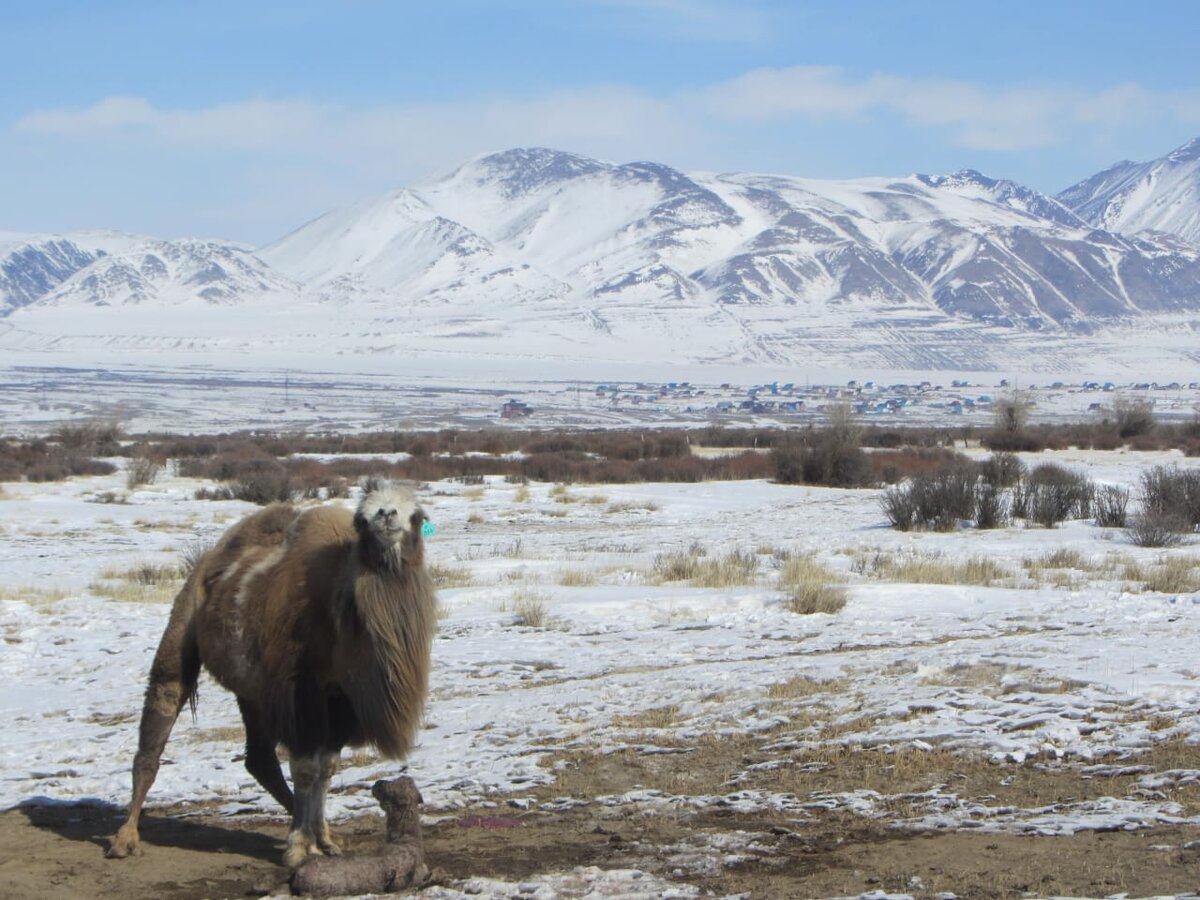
(119, 849)
(299, 848)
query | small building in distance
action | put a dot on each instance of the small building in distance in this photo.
(516, 409)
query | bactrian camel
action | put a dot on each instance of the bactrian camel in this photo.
(320, 623)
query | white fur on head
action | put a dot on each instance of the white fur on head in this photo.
(387, 510)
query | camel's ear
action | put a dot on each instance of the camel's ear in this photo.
(416, 521)
(361, 526)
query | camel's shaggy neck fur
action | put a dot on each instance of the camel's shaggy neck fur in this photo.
(391, 598)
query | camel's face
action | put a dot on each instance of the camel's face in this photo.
(391, 515)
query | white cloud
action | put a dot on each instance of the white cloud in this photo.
(603, 121)
(978, 116)
(611, 120)
(337, 152)
(109, 113)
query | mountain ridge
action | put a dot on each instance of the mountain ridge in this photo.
(580, 256)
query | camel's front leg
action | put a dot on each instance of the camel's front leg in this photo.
(329, 767)
(309, 834)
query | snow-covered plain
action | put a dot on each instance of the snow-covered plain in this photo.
(1074, 667)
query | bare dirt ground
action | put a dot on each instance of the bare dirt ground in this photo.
(58, 851)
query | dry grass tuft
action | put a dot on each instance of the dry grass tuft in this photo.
(560, 494)
(34, 596)
(811, 587)
(576, 578)
(1173, 575)
(803, 686)
(450, 576)
(632, 506)
(147, 574)
(656, 718)
(696, 567)
(1062, 558)
(362, 757)
(143, 583)
(132, 592)
(521, 495)
(924, 568)
(530, 608)
(223, 734)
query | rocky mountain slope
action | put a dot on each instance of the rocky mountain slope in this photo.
(539, 254)
(1160, 195)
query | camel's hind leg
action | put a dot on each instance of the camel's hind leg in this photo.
(172, 680)
(261, 759)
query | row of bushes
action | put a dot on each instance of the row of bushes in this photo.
(989, 495)
(43, 460)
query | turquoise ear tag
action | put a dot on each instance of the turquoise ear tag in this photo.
(428, 529)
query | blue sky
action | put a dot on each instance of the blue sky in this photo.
(245, 119)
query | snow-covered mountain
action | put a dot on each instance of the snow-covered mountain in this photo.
(112, 269)
(534, 225)
(1160, 195)
(539, 254)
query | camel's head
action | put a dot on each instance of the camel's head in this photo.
(388, 521)
(397, 792)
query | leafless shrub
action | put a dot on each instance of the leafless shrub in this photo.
(96, 436)
(1173, 492)
(1157, 529)
(935, 502)
(220, 492)
(266, 483)
(991, 507)
(1134, 417)
(1111, 506)
(1050, 494)
(141, 470)
(1002, 470)
(830, 456)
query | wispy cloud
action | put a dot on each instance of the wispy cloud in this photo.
(344, 151)
(613, 120)
(980, 117)
(604, 121)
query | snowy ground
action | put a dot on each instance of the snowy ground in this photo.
(1065, 664)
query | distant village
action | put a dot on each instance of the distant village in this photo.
(920, 402)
